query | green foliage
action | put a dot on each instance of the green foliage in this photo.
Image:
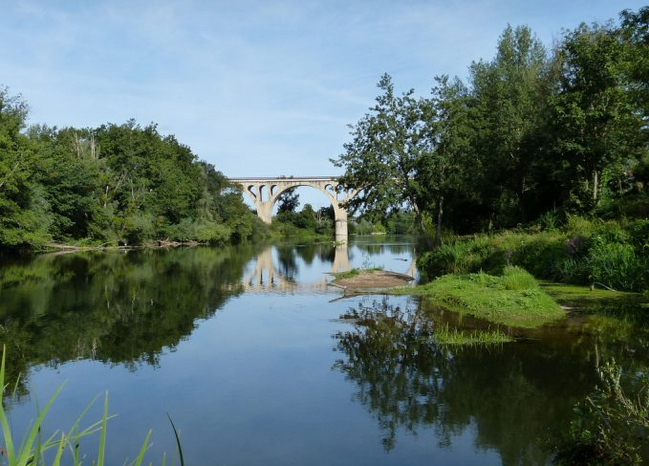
(611, 427)
(304, 224)
(446, 336)
(355, 272)
(288, 201)
(21, 202)
(530, 137)
(513, 299)
(116, 184)
(586, 251)
(510, 140)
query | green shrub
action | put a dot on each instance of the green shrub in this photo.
(613, 253)
(611, 428)
(615, 265)
(515, 278)
(138, 228)
(210, 232)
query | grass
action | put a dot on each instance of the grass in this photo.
(355, 272)
(563, 292)
(348, 274)
(611, 425)
(32, 449)
(582, 252)
(513, 299)
(446, 336)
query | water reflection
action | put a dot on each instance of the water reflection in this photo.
(516, 396)
(291, 268)
(127, 307)
(113, 307)
(277, 268)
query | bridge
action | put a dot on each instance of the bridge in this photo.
(264, 193)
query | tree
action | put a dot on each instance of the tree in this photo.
(23, 218)
(443, 168)
(68, 174)
(288, 201)
(383, 158)
(599, 130)
(634, 33)
(510, 110)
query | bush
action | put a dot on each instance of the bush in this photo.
(515, 278)
(612, 428)
(613, 253)
(615, 265)
(201, 231)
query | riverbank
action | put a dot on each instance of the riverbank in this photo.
(612, 254)
(513, 299)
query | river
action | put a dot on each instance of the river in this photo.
(259, 362)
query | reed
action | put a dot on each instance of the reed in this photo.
(61, 447)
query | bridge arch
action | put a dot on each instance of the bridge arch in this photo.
(264, 193)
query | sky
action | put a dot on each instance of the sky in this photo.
(257, 88)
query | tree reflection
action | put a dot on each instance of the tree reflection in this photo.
(516, 397)
(121, 308)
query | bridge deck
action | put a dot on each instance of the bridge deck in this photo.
(283, 178)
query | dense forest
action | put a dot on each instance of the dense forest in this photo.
(541, 155)
(532, 135)
(115, 184)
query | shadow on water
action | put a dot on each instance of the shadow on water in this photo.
(517, 396)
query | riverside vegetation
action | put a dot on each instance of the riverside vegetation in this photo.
(551, 143)
(536, 166)
(513, 299)
(539, 163)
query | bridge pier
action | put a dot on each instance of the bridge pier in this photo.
(341, 225)
(264, 193)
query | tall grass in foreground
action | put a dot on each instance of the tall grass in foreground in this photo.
(32, 449)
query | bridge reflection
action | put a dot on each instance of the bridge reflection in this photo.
(276, 270)
(292, 269)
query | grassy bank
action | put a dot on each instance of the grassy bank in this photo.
(513, 299)
(614, 254)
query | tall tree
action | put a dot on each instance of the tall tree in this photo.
(22, 207)
(448, 163)
(598, 127)
(510, 98)
(387, 147)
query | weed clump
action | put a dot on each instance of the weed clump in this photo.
(612, 254)
(611, 426)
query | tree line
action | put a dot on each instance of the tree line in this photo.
(114, 184)
(530, 135)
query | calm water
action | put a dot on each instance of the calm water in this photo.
(258, 361)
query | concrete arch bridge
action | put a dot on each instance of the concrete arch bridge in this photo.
(264, 192)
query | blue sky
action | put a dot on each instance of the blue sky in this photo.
(258, 88)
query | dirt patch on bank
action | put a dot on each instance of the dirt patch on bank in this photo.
(372, 279)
